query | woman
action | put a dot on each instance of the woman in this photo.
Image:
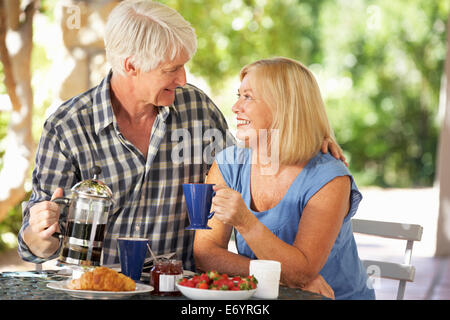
(285, 200)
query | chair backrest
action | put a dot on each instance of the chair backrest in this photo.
(403, 231)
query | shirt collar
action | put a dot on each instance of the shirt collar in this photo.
(102, 106)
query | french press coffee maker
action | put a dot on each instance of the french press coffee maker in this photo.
(86, 222)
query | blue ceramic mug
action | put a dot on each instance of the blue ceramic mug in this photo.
(198, 201)
(132, 253)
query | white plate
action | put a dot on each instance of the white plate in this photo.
(207, 294)
(90, 294)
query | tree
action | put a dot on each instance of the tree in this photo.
(443, 171)
(386, 58)
(16, 43)
(379, 65)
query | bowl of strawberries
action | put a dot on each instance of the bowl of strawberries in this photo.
(213, 285)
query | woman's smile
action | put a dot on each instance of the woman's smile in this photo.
(242, 122)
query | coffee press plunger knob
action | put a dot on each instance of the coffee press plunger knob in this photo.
(97, 171)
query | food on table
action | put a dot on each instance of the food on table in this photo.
(164, 276)
(103, 279)
(213, 280)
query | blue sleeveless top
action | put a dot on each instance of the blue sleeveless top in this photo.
(343, 270)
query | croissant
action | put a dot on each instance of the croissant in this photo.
(103, 279)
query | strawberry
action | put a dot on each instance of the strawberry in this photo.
(214, 280)
(204, 278)
(213, 275)
(202, 285)
(252, 279)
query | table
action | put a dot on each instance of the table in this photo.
(32, 285)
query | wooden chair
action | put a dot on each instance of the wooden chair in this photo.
(402, 231)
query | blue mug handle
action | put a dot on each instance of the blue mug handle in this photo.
(210, 215)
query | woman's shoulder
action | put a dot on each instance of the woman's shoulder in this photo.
(325, 163)
(324, 169)
(233, 155)
(321, 170)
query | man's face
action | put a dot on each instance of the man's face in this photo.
(157, 86)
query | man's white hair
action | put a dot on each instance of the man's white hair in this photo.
(149, 33)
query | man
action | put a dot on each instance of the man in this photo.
(146, 128)
(131, 125)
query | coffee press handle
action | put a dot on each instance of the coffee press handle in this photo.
(62, 200)
(65, 202)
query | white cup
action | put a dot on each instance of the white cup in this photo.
(267, 272)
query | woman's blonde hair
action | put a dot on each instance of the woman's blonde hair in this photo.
(293, 95)
(148, 32)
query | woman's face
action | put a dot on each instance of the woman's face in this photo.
(252, 113)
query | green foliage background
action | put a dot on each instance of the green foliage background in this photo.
(379, 64)
(387, 56)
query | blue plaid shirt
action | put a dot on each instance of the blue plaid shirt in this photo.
(149, 200)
